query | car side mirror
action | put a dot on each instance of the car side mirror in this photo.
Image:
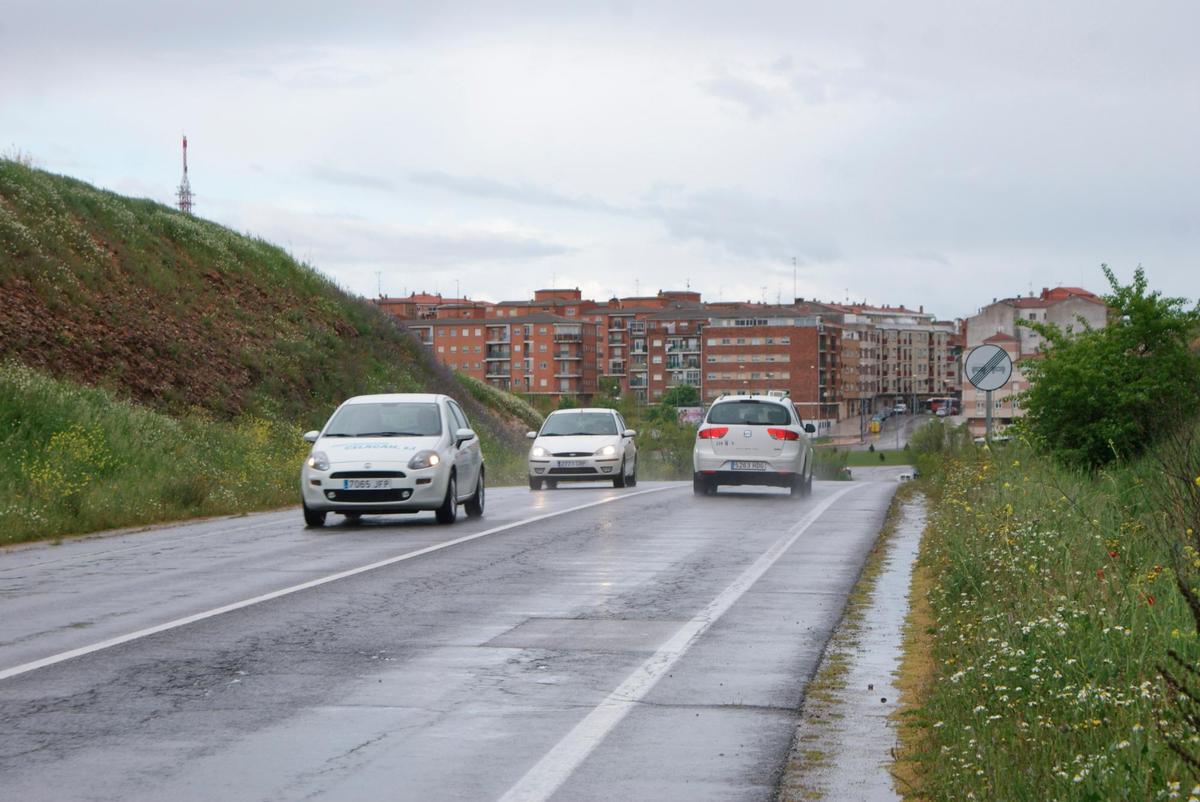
(808, 427)
(629, 433)
(531, 435)
(312, 436)
(463, 435)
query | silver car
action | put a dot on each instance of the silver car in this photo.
(583, 445)
(753, 440)
(396, 453)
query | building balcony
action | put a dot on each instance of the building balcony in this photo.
(568, 335)
(637, 381)
(568, 375)
(637, 327)
(568, 355)
(616, 325)
(616, 367)
(497, 353)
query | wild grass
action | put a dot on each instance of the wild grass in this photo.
(1053, 601)
(80, 460)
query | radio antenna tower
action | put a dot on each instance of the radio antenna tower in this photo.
(184, 193)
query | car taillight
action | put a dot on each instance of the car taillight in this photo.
(783, 434)
(715, 433)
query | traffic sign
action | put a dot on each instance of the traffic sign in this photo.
(988, 367)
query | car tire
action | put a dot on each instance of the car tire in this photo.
(619, 479)
(448, 512)
(474, 505)
(312, 518)
(808, 483)
(632, 480)
(796, 489)
(535, 484)
(702, 485)
(551, 484)
(353, 518)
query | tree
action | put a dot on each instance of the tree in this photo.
(682, 395)
(1103, 394)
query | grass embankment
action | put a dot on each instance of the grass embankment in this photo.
(207, 330)
(78, 460)
(1051, 603)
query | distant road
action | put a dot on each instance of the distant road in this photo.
(585, 643)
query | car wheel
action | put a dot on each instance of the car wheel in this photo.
(535, 484)
(808, 483)
(474, 505)
(702, 485)
(632, 480)
(313, 518)
(796, 489)
(619, 479)
(448, 512)
(353, 518)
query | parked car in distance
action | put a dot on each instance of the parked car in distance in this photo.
(397, 453)
(753, 440)
(582, 445)
(942, 412)
(900, 408)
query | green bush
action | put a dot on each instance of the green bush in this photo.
(1111, 393)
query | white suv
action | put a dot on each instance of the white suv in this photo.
(753, 440)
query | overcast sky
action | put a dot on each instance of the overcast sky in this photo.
(935, 153)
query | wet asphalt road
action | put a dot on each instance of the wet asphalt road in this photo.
(586, 643)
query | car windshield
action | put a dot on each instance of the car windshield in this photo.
(753, 413)
(576, 423)
(387, 419)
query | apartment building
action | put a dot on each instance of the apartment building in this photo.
(997, 323)
(536, 354)
(836, 360)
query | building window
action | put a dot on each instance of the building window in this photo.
(541, 365)
(478, 332)
(542, 382)
(441, 349)
(466, 332)
(658, 343)
(657, 377)
(454, 349)
(656, 359)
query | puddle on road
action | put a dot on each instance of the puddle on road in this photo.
(845, 740)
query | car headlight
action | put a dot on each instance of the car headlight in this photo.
(424, 459)
(539, 452)
(607, 451)
(318, 460)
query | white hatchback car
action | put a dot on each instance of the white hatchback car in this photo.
(381, 454)
(583, 445)
(753, 440)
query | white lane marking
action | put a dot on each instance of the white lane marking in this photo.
(541, 781)
(325, 580)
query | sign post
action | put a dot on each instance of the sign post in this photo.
(988, 367)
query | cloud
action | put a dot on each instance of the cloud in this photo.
(747, 226)
(349, 178)
(754, 98)
(525, 193)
